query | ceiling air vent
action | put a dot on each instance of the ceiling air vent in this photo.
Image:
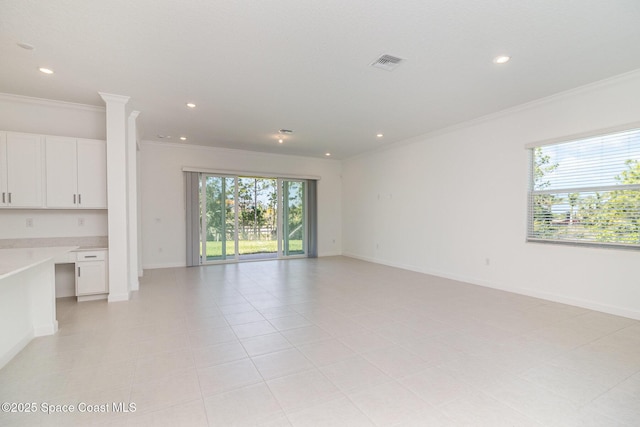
(387, 62)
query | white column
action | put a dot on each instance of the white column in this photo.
(139, 204)
(132, 182)
(117, 216)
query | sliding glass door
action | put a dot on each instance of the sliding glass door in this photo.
(249, 218)
(217, 216)
(294, 221)
(257, 212)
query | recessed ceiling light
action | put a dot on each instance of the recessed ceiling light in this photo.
(379, 135)
(45, 70)
(183, 138)
(164, 136)
(327, 154)
(280, 141)
(502, 59)
(26, 46)
(191, 105)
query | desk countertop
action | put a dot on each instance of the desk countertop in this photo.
(86, 243)
(13, 261)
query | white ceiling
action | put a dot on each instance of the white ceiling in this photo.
(256, 66)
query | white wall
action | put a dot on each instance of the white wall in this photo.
(163, 194)
(51, 223)
(33, 115)
(445, 203)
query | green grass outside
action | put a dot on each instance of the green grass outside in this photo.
(214, 249)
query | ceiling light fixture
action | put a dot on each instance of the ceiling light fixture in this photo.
(183, 138)
(26, 46)
(502, 59)
(327, 154)
(379, 135)
(45, 70)
(191, 105)
(280, 141)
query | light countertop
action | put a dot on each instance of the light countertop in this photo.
(13, 261)
(85, 243)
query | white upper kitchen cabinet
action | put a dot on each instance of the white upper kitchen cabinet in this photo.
(62, 172)
(92, 173)
(3, 168)
(76, 173)
(21, 170)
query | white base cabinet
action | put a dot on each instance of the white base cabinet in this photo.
(91, 273)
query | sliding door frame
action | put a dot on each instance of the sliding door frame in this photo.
(280, 209)
(283, 210)
(203, 226)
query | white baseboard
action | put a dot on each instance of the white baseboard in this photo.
(17, 348)
(163, 265)
(92, 297)
(180, 264)
(119, 297)
(44, 330)
(563, 299)
(326, 254)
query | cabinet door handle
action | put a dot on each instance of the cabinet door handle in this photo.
(74, 199)
(3, 197)
(79, 199)
(9, 197)
(78, 271)
(91, 256)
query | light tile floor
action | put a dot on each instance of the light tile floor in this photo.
(328, 342)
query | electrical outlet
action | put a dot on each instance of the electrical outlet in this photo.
(80, 222)
(29, 222)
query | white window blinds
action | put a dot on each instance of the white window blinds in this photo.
(587, 191)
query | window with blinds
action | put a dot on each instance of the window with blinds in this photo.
(586, 191)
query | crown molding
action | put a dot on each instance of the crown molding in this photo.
(536, 103)
(232, 150)
(51, 103)
(111, 97)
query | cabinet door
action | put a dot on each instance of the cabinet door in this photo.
(3, 169)
(62, 177)
(24, 170)
(91, 278)
(92, 174)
